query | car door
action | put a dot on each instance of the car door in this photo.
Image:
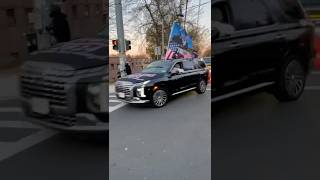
(244, 55)
(176, 81)
(191, 74)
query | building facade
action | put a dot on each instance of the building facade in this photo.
(135, 64)
(18, 30)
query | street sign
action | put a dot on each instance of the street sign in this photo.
(157, 51)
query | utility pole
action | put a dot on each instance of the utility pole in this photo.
(185, 16)
(42, 20)
(198, 13)
(120, 34)
(162, 38)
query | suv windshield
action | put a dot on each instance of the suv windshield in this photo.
(158, 67)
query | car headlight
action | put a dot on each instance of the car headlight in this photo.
(96, 99)
(140, 89)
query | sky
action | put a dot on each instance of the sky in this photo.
(137, 40)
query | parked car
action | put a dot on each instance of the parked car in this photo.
(270, 45)
(65, 87)
(162, 79)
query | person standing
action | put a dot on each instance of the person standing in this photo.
(59, 26)
(128, 69)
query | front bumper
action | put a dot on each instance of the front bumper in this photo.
(78, 122)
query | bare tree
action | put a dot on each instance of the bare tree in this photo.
(147, 17)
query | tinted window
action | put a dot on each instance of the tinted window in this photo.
(250, 14)
(286, 10)
(188, 65)
(221, 19)
(219, 14)
(158, 67)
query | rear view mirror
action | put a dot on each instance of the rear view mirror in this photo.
(215, 33)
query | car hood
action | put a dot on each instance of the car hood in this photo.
(77, 54)
(141, 77)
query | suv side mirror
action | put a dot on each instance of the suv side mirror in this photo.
(215, 33)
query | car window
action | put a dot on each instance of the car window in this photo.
(221, 19)
(286, 10)
(188, 65)
(249, 14)
(158, 67)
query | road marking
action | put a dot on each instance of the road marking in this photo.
(113, 108)
(242, 91)
(10, 149)
(10, 109)
(112, 96)
(114, 101)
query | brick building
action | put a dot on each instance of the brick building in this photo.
(86, 18)
(135, 64)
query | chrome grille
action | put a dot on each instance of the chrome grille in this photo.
(51, 88)
(126, 88)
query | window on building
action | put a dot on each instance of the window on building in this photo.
(11, 17)
(74, 10)
(87, 10)
(98, 9)
(28, 13)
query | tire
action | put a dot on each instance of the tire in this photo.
(291, 81)
(159, 98)
(202, 87)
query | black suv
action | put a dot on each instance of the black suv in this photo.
(65, 87)
(162, 79)
(260, 43)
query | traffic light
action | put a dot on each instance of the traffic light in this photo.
(128, 45)
(115, 44)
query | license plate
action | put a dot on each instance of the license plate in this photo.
(40, 106)
(121, 95)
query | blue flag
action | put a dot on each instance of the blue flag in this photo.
(179, 43)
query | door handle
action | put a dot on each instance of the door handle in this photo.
(280, 36)
(235, 45)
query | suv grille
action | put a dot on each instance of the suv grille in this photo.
(126, 88)
(37, 85)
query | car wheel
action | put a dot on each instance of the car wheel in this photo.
(159, 98)
(291, 82)
(202, 87)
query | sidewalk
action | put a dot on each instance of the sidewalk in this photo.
(111, 88)
(9, 85)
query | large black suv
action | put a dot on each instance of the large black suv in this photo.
(162, 79)
(65, 87)
(258, 44)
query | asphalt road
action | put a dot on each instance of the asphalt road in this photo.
(28, 151)
(256, 137)
(173, 142)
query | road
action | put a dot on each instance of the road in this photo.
(28, 151)
(173, 142)
(256, 137)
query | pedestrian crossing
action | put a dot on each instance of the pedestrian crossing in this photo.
(18, 133)
(114, 103)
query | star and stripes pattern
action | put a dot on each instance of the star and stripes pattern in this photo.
(179, 41)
